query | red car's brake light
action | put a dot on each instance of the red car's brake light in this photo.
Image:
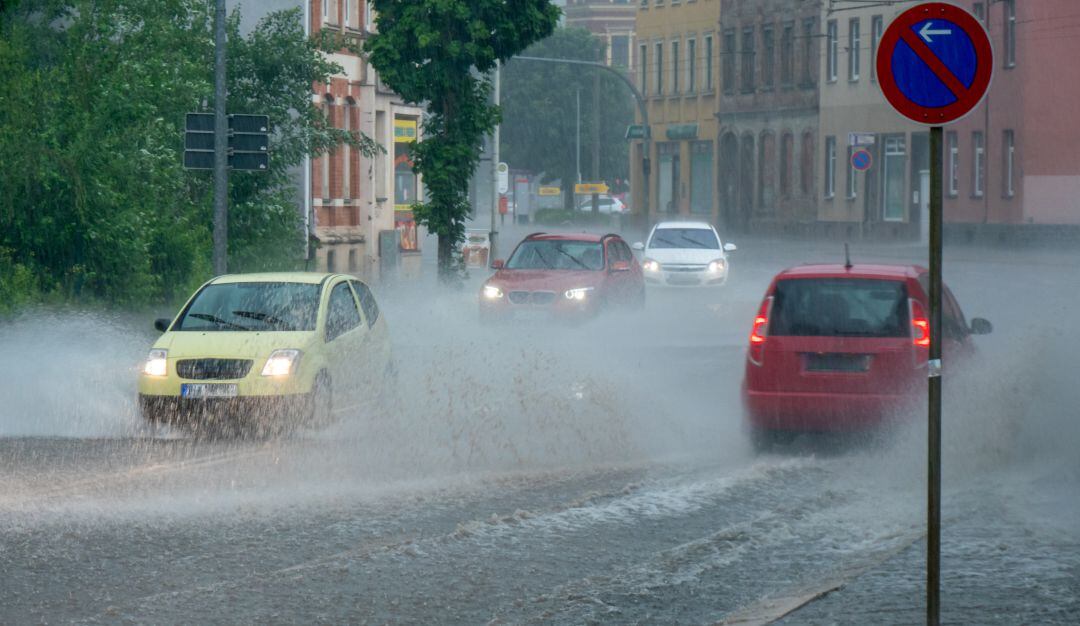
(760, 332)
(920, 325)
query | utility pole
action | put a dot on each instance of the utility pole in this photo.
(596, 139)
(494, 171)
(577, 95)
(221, 146)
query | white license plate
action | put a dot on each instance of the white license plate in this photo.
(207, 390)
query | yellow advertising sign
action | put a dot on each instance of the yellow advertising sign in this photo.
(404, 130)
(590, 188)
(550, 191)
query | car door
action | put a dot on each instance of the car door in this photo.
(955, 331)
(344, 333)
(619, 281)
(377, 345)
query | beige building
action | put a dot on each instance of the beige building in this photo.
(890, 198)
(676, 71)
(611, 21)
(354, 201)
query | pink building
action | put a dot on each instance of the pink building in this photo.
(1016, 158)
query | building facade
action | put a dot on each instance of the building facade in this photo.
(890, 199)
(1013, 161)
(768, 114)
(675, 71)
(611, 21)
(354, 198)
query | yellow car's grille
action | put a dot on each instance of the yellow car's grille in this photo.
(213, 369)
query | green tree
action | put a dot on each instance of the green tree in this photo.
(539, 112)
(439, 52)
(94, 201)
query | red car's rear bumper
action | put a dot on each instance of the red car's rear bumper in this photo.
(821, 412)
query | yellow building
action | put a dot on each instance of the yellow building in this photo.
(676, 72)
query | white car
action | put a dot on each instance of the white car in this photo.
(685, 254)
(606, 204)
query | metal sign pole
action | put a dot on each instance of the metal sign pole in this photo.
(221, 146)
(933, 509)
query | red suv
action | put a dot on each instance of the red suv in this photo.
(842, 348)
(568, 276)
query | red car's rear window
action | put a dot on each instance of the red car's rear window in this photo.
(839, 307)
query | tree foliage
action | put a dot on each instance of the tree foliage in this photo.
(439, 52)
(94, 201)
(539, 111)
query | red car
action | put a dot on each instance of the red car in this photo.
(564, 276)
(844, 348)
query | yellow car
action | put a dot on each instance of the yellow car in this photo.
(266, 352)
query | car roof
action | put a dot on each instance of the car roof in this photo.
(682, 224)
(590, 237)
(857, 270)
(274, 277)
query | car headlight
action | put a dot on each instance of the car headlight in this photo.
(156, 364)
(650, 266)
(577, 294)
(281, 363)
(491, 292)
(717, 266)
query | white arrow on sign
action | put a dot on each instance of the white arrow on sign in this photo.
(925, 32)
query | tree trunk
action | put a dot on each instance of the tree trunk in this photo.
(447, 275)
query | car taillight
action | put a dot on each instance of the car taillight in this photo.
(760, 332)
(920, 325)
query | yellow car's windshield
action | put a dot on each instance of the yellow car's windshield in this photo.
(261, 306)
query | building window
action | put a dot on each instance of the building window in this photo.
(854, 53)
(787, 55)
(353, 265)
(674, 67)
(830, 166)
(877, 29)
(980, 11)
(369, 20)
(894, 172)
(1010, 33)
(658, 63)
(325, 9)
(708, 64)
(346, 6)
(748, 60)
(346, 152)
(787, 144)
(328, 111)
(729, 62)
(691, 66)
(953, 146)
(620, 50)
(1008, 151)
(331, 261)
(768, 63)
(643, 52)
(810, 54)
(806, 165)
(977, 174)
(831, 50)
(852, 175)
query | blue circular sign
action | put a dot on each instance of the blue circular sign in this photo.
(861, 160)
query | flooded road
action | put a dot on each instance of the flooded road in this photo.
(539, 474)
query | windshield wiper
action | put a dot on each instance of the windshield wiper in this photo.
(697, 244)
(217, 320)
(572, 258)
(264, 317)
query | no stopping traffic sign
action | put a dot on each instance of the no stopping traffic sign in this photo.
(934, 63)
